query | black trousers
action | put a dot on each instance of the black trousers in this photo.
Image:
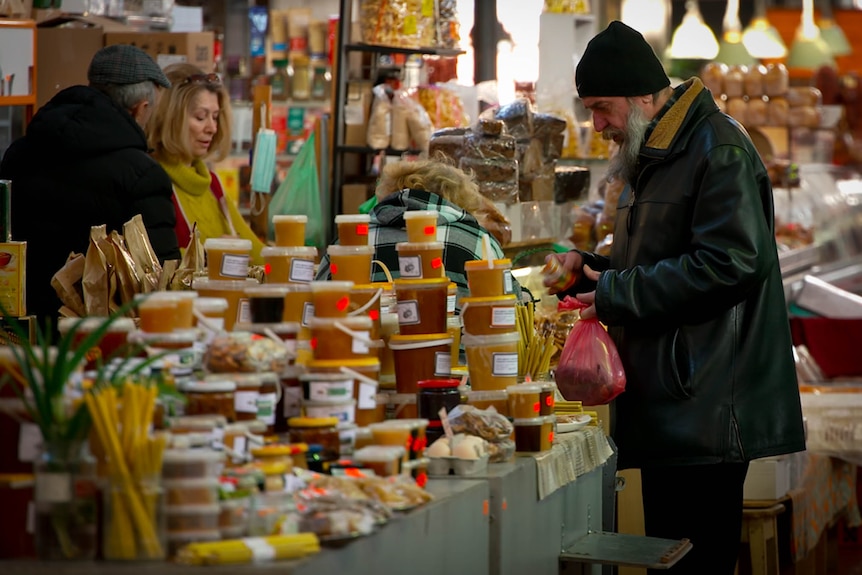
(702, 503)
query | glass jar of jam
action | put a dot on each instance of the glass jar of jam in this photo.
(211, 398)
(320, 431)
(435, 394)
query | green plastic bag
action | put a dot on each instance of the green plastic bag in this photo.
(368, 205)
(299, 194)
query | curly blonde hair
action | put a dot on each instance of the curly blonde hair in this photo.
(167, 130)
(448, 182)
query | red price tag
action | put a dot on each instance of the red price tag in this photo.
(537, 407)
(333, 269)
(422, 479)
(549, 401)
(361, 229)
(314, 343)
(551, 437)
(430, 230)
(436, 263)
(267, 269)
(374, 315)
(343, 303)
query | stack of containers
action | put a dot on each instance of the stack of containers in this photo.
(291, 263)
(423, 348)
(227, 277)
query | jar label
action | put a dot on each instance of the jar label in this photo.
(292, 399)
(442, 363)
(301, 271)
(243, 311)
(234, 266)
(367, 396)
(53, 488)
(408, 312)
(324, 390)
(508, 284)
(502, 316)
(266, 408)
(307, 313)
(245, 401)
(359, 345)
(504, 364)
(450, 303)
(239, 445)
(410, 266)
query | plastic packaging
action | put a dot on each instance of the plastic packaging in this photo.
(191, 463)
(245, 352)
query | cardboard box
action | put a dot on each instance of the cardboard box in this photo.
(356, 112)
(168, 48)
(66, 45)
(353, 196)
(13, 259)
(767, 479)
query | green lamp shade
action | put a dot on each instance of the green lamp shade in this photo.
(810, 54)
(734, 54)
(833, 35)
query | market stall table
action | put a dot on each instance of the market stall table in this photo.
(448, 535)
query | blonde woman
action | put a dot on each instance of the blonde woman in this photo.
(190, 126)
(465, 217)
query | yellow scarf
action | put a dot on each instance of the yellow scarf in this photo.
(199, 205)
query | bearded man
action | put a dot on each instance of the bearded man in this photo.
(692, 296)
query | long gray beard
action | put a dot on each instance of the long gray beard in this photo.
(625, 164)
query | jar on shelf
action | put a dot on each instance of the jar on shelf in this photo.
(301, 87)
(280, 81)
(435, 394)
(211, 398)
(320, 82)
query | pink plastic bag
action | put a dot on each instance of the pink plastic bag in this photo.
(590, 369)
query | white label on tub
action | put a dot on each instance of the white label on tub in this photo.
(442, 363)
(266, 408)
(261, 551)
(307, 313)
(367, 396)
(450, 303)
(502, 316)
(234, 266)
(53, 488)
(29, 442)
(328, 390)
(245, 401)
(410, 266)
(504, 364)
(508, 286)
(408, 312)
(343, 412)
(243, 311)
(292, 401)
(300, 271)
(359, 345)
(239, 444)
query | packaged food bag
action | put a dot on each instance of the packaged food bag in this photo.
(590, 369)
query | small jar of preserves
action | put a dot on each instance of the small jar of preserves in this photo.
(435, 394)
(210, 398)
(320, 431)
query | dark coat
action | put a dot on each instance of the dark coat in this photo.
(82, 163)
(692, 295)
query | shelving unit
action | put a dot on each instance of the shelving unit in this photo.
(16, 59)
(345, 46)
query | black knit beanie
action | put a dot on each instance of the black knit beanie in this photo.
(619, 62)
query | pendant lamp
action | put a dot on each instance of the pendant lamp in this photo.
(831, 32)
(760, 38)
(693, 39)
(731, 50)
(809, 51)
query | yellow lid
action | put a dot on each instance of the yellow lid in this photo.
(330, 363)
(312, 422)
(489, 300)
(277, 468)
(501, 263)
(419, 337)
(271, 451)
(420, 283)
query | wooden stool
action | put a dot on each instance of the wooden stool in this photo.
(760, 531)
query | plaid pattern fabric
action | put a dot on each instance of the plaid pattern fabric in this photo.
(461, 234)
(122, 64)
(677, 93)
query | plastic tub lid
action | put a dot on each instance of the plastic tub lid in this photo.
(224, 285)
(213, 509)
(219, 385)
(352, 322)
(290, 218)
(235, 379)
(120, 324)
(491, 300)
(181, 456)
(227, 244)
(415, 463)
(155, 338)
(210, 304)
(424, 283)
(418, 246)
(267, 290)
(339, 250)
(546, 385)
(273, 450)
(331, 403)
(485, 340)
(412, 214)
(309, 252)
(351, 363)
(312, 422)
(439, 383)
(259, 328)
(290, 288)
(274, 468)
(326, 286)
(193, 483)
(402, 398)
(399, 341)
(156, 296)
(409, 423)
(534, 420)
(352, 219)
(524, 388)
(325, 377)
(504, 263)
(192, 536)
(379, 453)
(487, 395)
(235, 532)
(198, 421)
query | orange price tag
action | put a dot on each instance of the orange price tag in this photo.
(551, 437)
(549, 401)
(485, 508)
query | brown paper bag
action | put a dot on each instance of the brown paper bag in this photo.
(128, 282)
(146, 262)
(67, 283)
(192, 263)
(95, 281)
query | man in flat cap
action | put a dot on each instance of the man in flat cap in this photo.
(692, 296)
(84, 162)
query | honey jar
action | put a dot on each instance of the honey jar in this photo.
(422, 305)
(227, 258)
(419, 357)
(352, 229)
(330, 298)
(231, 291)
(524, 400)
(211, 398)
(342, 338)
(288, 264)
(488, 315)
(421, 225)
(289, 230)
(350, 263)
(489, 279)
(316, 431)
(420, 260)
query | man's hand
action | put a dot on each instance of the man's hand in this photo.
(570, 260)
(589, 297)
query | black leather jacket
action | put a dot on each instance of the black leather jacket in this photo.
(692, 296)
